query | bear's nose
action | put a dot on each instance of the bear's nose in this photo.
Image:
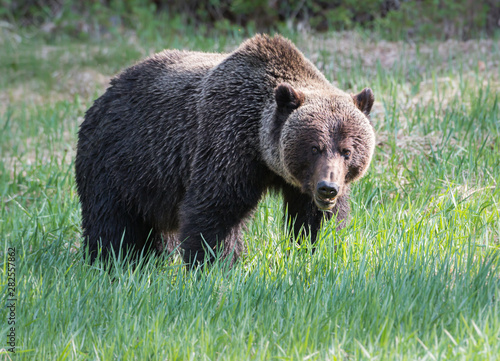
(327, 189)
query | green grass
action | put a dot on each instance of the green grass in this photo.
(415, 275)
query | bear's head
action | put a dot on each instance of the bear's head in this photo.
(319, 140)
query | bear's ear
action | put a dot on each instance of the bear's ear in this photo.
(364, 100)
(288, 98)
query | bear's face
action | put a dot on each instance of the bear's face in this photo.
(325, 142)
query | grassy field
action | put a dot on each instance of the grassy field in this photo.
(415, 275)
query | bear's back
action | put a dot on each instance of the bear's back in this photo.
(166, 72)
(139, 129)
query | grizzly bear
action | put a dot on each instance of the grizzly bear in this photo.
(183, 145)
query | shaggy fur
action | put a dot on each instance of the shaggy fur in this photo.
(183, 145)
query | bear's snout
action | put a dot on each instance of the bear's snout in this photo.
(327, 190)
(326, 193)
(327, 183)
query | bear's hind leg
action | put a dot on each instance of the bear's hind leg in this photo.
(115, 231)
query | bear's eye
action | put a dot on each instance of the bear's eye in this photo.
(346, 153)
(314, 150)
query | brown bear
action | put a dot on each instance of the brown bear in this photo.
(183, 145)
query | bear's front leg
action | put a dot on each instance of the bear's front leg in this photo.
(213, 211)
(304, 215)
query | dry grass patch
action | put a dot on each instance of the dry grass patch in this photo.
(82, 82)
(482, 54)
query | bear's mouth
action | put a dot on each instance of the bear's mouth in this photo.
(325, 204)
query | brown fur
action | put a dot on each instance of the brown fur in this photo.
(183, 145)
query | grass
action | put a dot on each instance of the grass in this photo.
(415, 275)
